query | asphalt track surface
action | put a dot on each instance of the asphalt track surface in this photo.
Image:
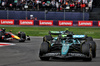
(26, 54)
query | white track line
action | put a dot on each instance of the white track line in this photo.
(9, 44)
(96, 39)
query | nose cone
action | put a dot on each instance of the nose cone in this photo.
(65, 49)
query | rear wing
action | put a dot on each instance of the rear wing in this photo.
(56, 32)
(60, 32)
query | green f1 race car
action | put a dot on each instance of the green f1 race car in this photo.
(66, 45)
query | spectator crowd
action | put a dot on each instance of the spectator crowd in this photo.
(50, 5)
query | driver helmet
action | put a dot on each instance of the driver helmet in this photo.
(3, 29)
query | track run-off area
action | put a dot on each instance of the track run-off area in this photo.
(27, 54)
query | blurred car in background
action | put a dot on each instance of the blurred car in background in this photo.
(7, 36)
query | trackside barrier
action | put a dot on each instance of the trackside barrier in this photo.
(6, 22)
(26, 22)
(99, 23)
(50, 23)
(45, 22)
(65, 23)
(85, 23)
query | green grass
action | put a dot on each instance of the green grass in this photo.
(42, 31)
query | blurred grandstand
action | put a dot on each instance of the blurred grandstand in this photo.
(50, 9)
(50, 5)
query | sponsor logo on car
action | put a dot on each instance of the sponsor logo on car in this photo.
(78, 36)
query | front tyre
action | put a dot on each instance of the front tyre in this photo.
(43, 50)
(87, 50)
(45, 58)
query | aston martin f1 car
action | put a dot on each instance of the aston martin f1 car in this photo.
(7, 36)
(66, 45)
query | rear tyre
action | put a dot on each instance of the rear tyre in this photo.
(0, 36)
(21, 40)
(47, 38)
(89, 39)
(93, 48)
(87, 50)
(43, 50)
(22, 35)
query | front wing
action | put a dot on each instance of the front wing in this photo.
(65, 56)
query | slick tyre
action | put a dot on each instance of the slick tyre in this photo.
(87, 50)
(44, 47)
(89, 39)
(0, 36)
(45, 58)
(21, 40)
(93, 44)
(43, 50)
(22, 35)
(47, 38)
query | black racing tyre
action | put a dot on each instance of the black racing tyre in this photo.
(0, 36)
(21, 40)
(93, 48)
(45, 58)
(89, 39)
(47, 38)
(87, 50)
(22, 35)
(43, 50)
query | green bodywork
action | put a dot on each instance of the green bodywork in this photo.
(66, 43)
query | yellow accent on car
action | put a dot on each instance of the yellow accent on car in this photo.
(16, 37)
